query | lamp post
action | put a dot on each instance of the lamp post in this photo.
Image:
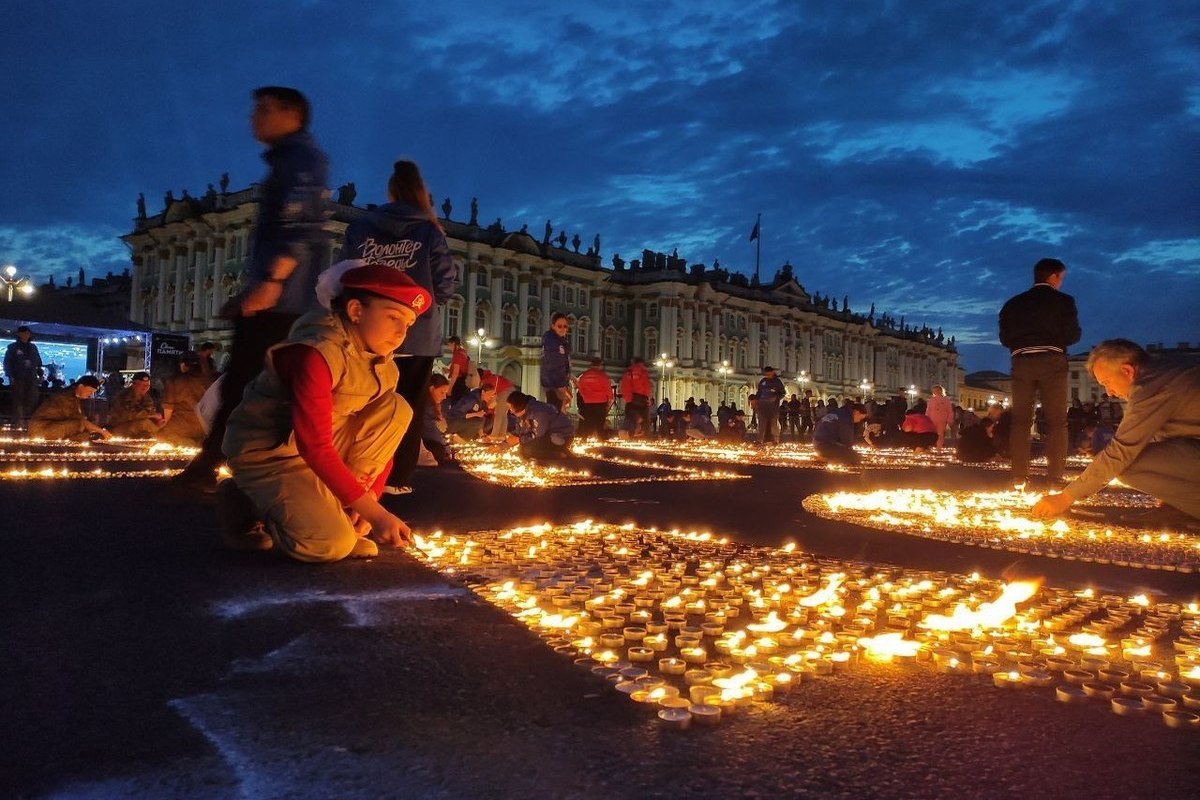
(803, 380)
(11, 281)
(912, 394)
(663, 363)
(865, 388)
(724, 371)
(480, 341)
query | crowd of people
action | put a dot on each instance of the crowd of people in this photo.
(331, 394)
(132, 407)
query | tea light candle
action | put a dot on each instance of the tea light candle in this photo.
(696, 677)
(1099, 691)
(1078, 677)
(672, 666)
(702, 693)
(1110, 675)
(1157, 704)
(1070, 694)
(1127, 706)
(675, 719)
(1182, 719)
(640, 654)
(1037, 677)
(705, 714)
(1007, 680)
(1136, 689)
(656, 642)
(634, 634)
(985, 666)
(1170, 688)
(694, 655)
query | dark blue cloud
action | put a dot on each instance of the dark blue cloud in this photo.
(921, 156)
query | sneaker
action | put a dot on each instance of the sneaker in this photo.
(241, 529)
(364, 548)
(389, 489)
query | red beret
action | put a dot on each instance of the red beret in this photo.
(391, 283)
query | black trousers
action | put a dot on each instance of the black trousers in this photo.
(413, 386)
(591, 419)
(1043, 375)
(252, 338)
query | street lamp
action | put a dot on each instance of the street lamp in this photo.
(724, 371)
(11, 282)
(865, 388)
(480, 341)
(912, 394)
(663, 363)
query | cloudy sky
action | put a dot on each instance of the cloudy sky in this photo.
(918, 155)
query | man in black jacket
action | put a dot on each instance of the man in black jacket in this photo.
(1038, 326)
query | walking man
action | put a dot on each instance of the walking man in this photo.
(1038, 326)
(289, 247)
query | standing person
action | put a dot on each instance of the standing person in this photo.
(288, 248)
(460, 362)
(1156, 448)
(556, 362)
(940, 410)
(636, 392)
(766, 405)
(405, 235)
(1038, 326)
(595, 399)
(806, 414)
(660, 415)
(23, 366)
(310, 443)
(61, 415)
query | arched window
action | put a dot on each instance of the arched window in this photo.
(453, 318)
(620, 355)
(651, 339)
(509, 333)
(556, 293)
(510, 283)
(580, 332)
(609, 347)
(743, 354)
(481, 316)
(533, 323)
(481, 278)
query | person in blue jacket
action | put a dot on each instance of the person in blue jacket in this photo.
(556, 362)
(405, 234)
(465, 418)
(542, 430)
(833, 438)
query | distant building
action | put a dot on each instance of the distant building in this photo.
(189, 260)
(980, 390)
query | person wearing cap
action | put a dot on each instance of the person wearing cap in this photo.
(23, 366)
(181, 424)
(132, 413)
(595, 391)
(542, 430)
(60, 416)
(311, 443)
(405, 235)
(767, 398)
(460, 363)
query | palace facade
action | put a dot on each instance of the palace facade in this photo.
(704, 331)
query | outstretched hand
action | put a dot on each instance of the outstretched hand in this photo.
(1052, 505)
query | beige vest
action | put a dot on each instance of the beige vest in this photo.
(262, 422)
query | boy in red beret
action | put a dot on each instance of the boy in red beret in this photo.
(312, 440)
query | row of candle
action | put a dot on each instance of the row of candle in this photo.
(66, 473)
(506, 467)
(704, 628)
(789, 454)
(1000, 520)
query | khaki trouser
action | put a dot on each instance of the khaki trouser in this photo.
(303, 517)
(72, 430)
(143, 428)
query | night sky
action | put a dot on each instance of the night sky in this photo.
(920, 157)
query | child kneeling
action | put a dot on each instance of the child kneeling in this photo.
(311, 443)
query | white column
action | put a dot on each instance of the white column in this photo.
(496, 326)
(635, 340)
(594, 331)
(469, 311)
(686, 344)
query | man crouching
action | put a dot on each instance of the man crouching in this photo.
(311, 443)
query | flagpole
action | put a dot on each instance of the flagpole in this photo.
(757, 246)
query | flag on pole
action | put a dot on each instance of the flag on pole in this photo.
(754, 233)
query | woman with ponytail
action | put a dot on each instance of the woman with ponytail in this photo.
(405, 235)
